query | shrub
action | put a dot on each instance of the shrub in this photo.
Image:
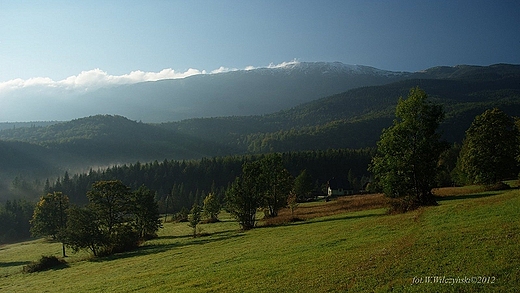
(182, 216)
(125, 239)
(403, 205)
(45, 263)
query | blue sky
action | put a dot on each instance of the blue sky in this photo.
(60, 39)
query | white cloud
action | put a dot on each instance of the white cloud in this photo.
(223, 69)
(96, 78)
(284, 64)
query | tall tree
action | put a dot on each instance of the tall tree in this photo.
(490, 149)
(83, 231)
(303, 185)
(244, 196)
(145, 212)
(194, 218)
(275, 183)
(110, 200)
(50, 216)
(211, 207)
(405, 164)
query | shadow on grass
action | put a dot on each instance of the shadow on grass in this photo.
(340, 218)
(159, 247)
(323, 220)
(468, 196)
(13, 264)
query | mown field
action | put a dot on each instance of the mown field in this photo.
(344, 245)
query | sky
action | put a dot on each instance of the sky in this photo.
(72, 42)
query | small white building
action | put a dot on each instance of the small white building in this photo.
(337, 187)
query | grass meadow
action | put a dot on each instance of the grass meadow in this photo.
(349, 244)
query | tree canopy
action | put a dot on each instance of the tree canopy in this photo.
(405, 164)
(116, 219)
(490, 149)
(244, 196)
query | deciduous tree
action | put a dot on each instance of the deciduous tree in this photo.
(292, 202)
(405, 165)
(110, 200)
(490, 149)
(303, 185)
(145, 212)
(50, 216)
(244, 196)
(212, 207)
(275, 183)
(194, 218)
(83, 231)
(115, 219)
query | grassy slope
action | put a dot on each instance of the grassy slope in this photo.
(465, 236)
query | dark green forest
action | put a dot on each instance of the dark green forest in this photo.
(179, 184)
(186, 182)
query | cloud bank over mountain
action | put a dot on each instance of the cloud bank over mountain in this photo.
(97, 78)
(169, 95)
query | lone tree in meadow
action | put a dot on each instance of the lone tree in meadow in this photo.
(194, 218)
(50, 216)
(145, 212)
(264, 183)
(405, 165)
(244, 196)
(275, 183)
(211, 208)
(490, 149)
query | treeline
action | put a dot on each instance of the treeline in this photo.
(14, 220)
(182, 183)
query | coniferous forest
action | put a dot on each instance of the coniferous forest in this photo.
(187, 182)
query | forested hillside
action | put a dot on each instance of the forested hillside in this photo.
(185, 182)
(106, 139)
(355, 118)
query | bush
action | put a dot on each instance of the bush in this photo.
(125, 239)
(403, 205)
(182, 216)
(45, 263)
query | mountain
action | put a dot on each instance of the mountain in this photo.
(351, 119)
(103, 140)
(356, 117)
(236, 93)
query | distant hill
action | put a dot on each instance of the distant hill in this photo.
(35, 153)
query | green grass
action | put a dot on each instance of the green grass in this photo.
(465, 236)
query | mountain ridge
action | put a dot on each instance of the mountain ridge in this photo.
(243, 92)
